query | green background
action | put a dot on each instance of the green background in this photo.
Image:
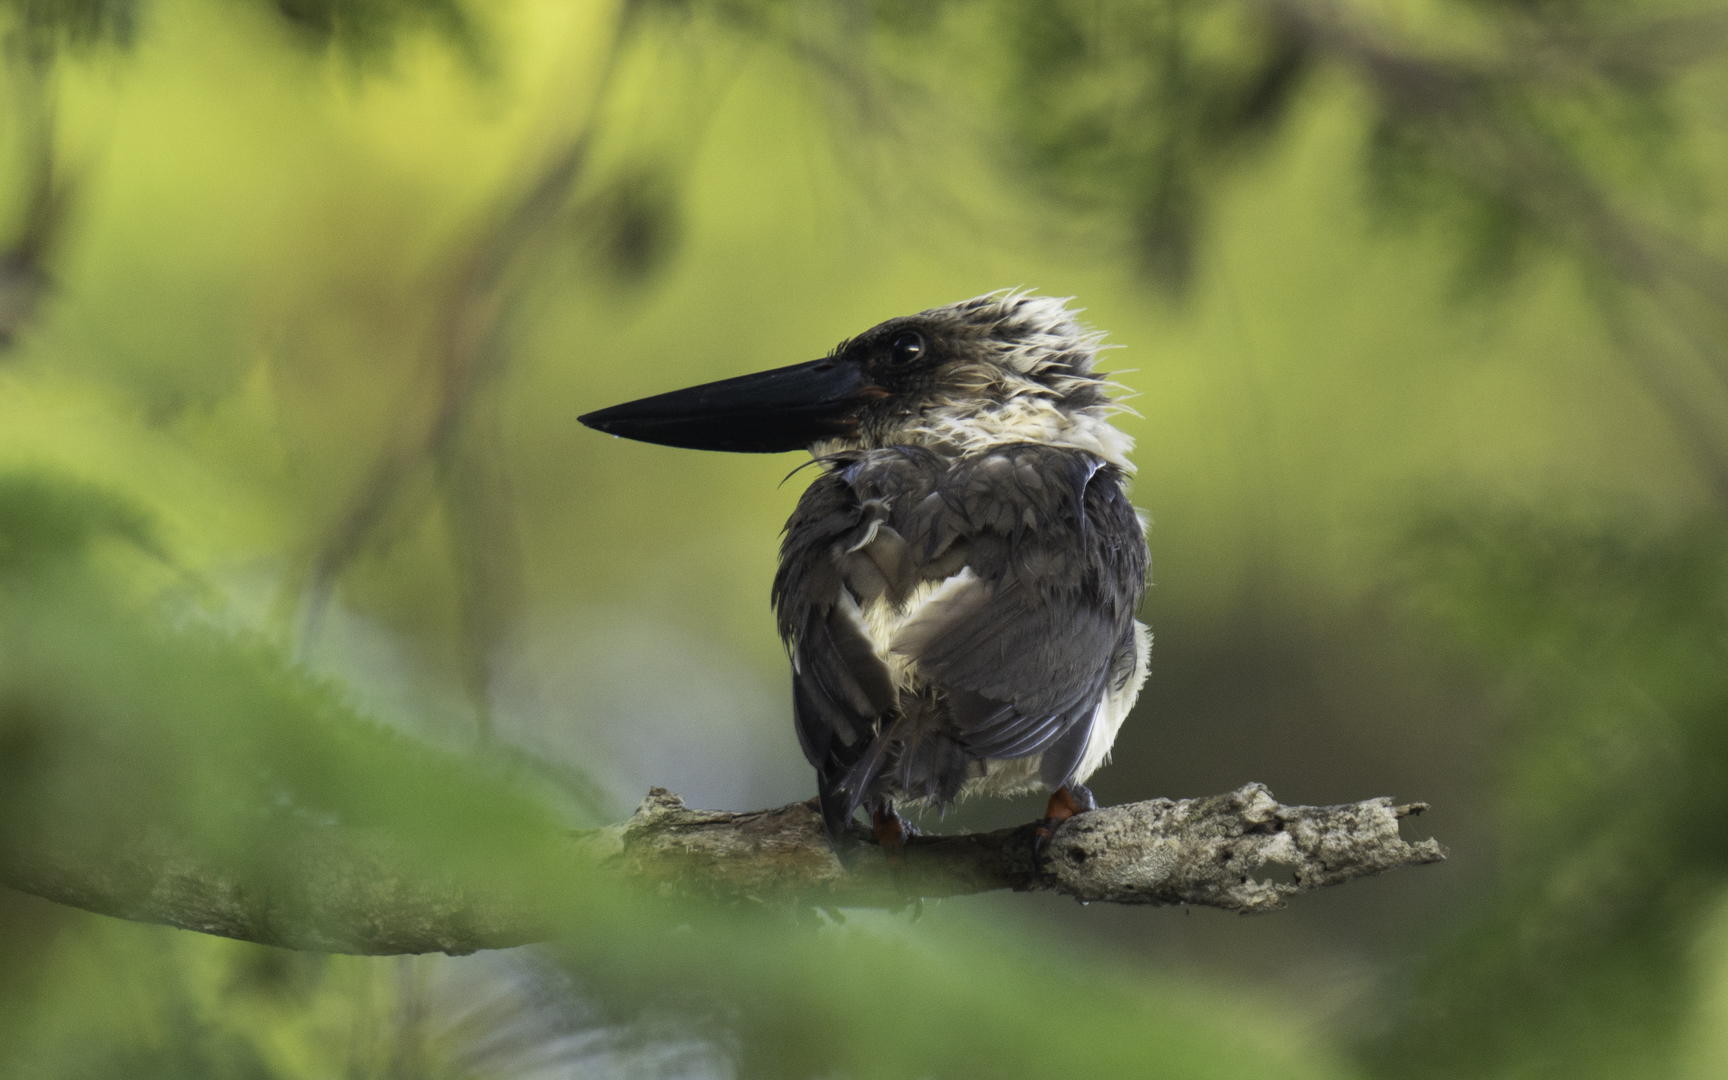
(1425, 521)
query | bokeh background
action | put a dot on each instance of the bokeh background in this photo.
(1424, 308)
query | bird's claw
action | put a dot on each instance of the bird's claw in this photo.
(891, 831)
(1065, 802)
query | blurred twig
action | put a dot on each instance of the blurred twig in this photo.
(463, 438)
(341, 889)
(41, 225)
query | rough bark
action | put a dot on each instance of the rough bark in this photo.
(1189, 851)
(359, 891)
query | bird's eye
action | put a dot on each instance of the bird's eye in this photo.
(908, 347)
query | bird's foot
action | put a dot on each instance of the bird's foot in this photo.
(1065, 802)
(891, 832)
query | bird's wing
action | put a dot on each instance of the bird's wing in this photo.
(1027, 645)
(1018, 569)
(840, 684)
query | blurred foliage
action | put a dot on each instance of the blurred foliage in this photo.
(47, 519)
(300, 298)
(1144, 108)
(361, 29)
(369, 29)
(50, 24)
(1611, 639)
(133, 1001)
(111, 715)
(1510, 125)
(107, 695)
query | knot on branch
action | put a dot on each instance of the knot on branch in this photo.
(1211, 851)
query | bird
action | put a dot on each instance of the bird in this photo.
(957, 587)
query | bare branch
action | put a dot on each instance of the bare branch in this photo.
(1162, 851)
(339, 889)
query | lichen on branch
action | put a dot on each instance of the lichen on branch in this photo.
(1190, 851)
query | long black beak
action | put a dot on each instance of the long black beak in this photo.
(766, 413)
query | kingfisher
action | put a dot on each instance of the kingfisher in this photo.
(957, 587)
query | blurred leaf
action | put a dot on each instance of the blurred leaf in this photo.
(631, 225)
(48, 24)
(46, 518)
(117, 713)
(1611, 641)
(366, 31)
(1141, 108)
(113, 718)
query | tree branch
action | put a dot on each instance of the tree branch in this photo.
(338, 889)
(1162, 851)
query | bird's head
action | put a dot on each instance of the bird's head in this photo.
(1000, 368)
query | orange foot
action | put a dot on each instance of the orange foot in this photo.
(891, 831)
(1065, 802)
